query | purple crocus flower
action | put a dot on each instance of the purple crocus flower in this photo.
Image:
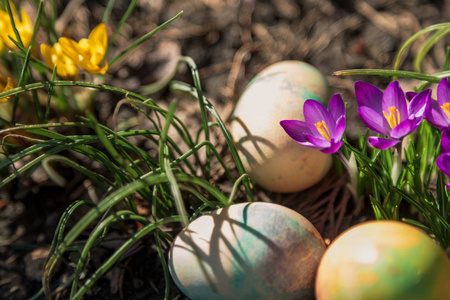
(323, 128)
(443, 162)
(438, 114)
(389, 114)
(445, 141)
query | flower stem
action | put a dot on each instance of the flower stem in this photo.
(397, 163)
(352, 169)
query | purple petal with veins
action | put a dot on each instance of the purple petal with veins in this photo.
(382, 143)
(443, 162)
(315, 112)
(443, 92)
(394, 97)
(339, 130)
(419, 104)
(404, 128)
(295, 129)
(373, 120)
(435, 116)
(336, 107)
(445, 141)
(333, 148)
(368, 95)
(317, 141)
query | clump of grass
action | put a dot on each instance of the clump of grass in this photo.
(128, 174)
(420, 183)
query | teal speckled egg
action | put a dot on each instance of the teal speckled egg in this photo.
(247, 251)
(269, 155)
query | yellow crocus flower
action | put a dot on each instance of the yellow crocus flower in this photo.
(88, 53)
(54, 56)
(5, 85)
(23, 25)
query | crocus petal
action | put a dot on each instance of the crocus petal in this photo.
(404, 128)
(368, 95)
(395, 97)
(419, 104)
(88, 53)
(443, 162)
(336, 107)
(435, 116)
(382, 143)
(339, 129)
(69, 47)
(5, 85)
(295, 129)
(54, 56)
(410, 95)
(445, 141)
(443, 91)
(318, 142)
(333, 148)
(99, 35)
(23, 25)
(373, 120)
(315, 112)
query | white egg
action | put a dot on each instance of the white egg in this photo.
(274, 160)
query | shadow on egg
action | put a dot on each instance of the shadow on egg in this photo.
(246, 256)
(255, 140)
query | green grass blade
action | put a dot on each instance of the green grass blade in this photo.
(18, 42)
(183, 87)
(50, 264)
(394, 73)
(107, 13)
(413, 38)
(164, 265)
(121, 251)
(98, 179)
(93, 237)
(122, 21)
(431, 41)
(142, 39)
(165, 166)
(199, 93)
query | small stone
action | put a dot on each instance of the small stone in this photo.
(34, 263)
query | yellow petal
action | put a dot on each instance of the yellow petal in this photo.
(26, 28)
(88, 53)
(23, 25)
(46, 51)
(70, 48)
(55, 56)
(99, 35)
(8, 86)
(85, 48)
(94, 68)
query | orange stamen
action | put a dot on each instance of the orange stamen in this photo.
(323, 130)
(446, 108)
(393, 118)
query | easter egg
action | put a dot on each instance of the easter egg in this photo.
(273, 159)
(387, 260)
(247, 251)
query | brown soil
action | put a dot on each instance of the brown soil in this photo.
(231, 41)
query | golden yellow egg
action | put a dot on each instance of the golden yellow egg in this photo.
(274, 160)
(388, 260)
